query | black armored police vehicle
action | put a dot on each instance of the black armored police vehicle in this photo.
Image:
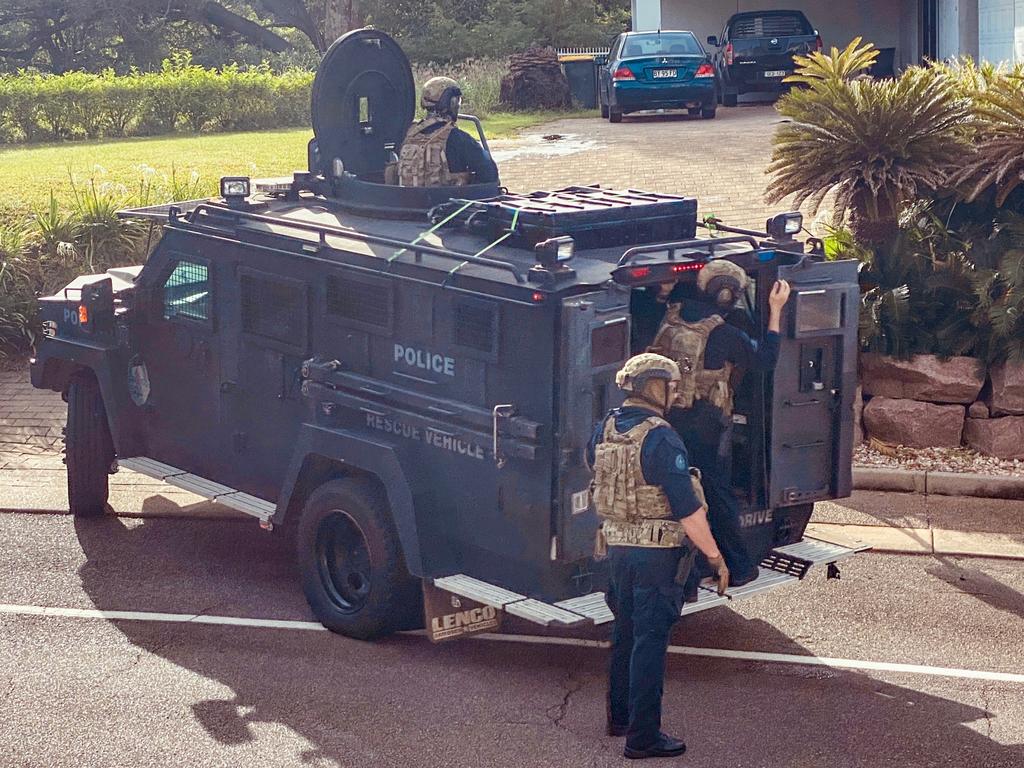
(408, 377)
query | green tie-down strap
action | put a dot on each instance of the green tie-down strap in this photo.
(431, 231)
(486, 248)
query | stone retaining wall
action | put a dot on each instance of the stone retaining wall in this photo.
(930, 403)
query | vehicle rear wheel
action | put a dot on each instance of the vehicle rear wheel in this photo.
(351, 564)
(709, 114)
(730, 99)
(88, 447)
(614, 115)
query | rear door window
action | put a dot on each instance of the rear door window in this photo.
(770, 25)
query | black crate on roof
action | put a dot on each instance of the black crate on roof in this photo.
(595, 217)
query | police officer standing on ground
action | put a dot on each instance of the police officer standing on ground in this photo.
(653, 517)
(438, 153)
(707, 349)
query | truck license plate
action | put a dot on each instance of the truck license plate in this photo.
(664, 74)
(775, 73)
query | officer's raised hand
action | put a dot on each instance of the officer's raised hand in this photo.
(776, 301)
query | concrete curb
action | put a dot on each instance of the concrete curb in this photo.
(938, 483)
(926, 541)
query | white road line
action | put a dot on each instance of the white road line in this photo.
(680, 650)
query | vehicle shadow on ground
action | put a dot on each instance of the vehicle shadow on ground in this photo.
(980, 585)
(403, 701)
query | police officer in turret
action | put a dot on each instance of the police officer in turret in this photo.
(653, 520)
(707, 349)
(436, 152)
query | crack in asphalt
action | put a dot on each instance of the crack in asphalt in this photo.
(557, 712)
(986, 692)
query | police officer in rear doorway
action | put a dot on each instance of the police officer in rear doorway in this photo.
(707, 349)
(436, 152)
(653, 520)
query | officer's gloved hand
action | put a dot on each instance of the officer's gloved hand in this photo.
(722, 572)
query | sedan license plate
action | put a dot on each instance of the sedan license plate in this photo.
(664, 74)
(775, 73)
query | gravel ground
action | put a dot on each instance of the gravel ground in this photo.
(937, 460)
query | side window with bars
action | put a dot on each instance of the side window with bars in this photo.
(186, 292)
(361, 301)
(275, 309)
(475, 326)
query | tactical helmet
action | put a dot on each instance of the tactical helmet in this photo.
(722, 281)
(641, 368)
(439, 95)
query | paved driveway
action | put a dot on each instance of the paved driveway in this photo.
(721, 162)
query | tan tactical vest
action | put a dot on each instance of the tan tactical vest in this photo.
(423, 161)
(635, 514)
(686, 343)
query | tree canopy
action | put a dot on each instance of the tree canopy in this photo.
(64, 35)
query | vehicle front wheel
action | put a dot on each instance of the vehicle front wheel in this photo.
(709, 113)
(351, 564)
(614, 115)
(730, 99)
(88, 447)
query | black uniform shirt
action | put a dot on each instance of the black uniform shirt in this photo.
(465, 154)
(662, 458)
(728, 344)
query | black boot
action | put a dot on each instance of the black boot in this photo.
(665, 746)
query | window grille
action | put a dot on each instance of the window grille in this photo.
(274, 309)
(361, 299)
(476, 325)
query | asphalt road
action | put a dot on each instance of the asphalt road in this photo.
(90, 692)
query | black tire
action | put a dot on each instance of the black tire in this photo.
(351, 564)
(708, 114)
(88, 447)
(730, 100)
(614, 115)
(693, 112)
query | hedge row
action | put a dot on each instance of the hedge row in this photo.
(181, 96)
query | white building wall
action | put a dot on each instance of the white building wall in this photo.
(886, 23)
(646, 15)
(1001, 30)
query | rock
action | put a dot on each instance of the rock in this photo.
(924, 378)
(1002, 438)
(858, 418)
(535, 81)
(913, 423)
(978, 410)
(1007, 389)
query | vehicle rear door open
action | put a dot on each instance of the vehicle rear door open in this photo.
(594, 343)
(814, 385)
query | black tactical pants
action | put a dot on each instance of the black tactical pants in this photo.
(646, 600)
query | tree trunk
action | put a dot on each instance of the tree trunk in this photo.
(338, 18)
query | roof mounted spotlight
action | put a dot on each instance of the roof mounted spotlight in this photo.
(235, 190)
(785, 226)
(552, 257)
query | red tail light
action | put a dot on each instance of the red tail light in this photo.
(819, 44)
(705, 70)
(623, 73)
(730, 54)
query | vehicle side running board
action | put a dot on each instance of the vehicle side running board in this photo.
(200, 486)
(782, 567)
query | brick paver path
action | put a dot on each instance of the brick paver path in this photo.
(721, 162)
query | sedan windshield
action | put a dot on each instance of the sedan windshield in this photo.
(664, 44)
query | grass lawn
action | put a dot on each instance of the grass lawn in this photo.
(31, 172)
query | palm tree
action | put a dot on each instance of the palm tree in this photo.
(876, 145)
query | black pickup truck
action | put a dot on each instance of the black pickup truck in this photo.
(756, 50)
